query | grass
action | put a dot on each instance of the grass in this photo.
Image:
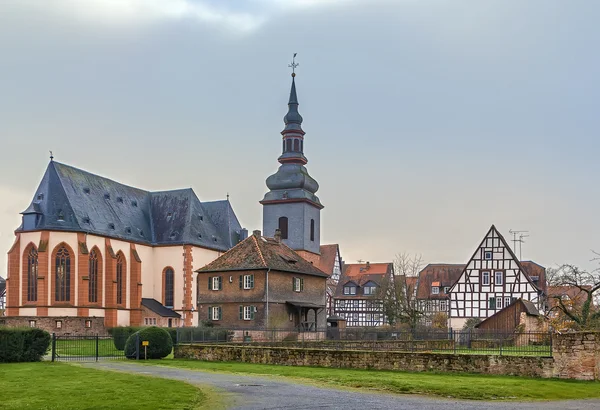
(86, 347)
(62, 386)
(461, 385)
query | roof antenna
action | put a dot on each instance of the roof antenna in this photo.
(51, 156)
(521, 235)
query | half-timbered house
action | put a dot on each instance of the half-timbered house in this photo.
(358, 298)
(492, 279)
(433, 289)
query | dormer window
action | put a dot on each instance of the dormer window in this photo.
(86, 220)
(106, 196)
(134, 204)
(119, 199)
(349, 290)
(86, 190)
(128, 230)
(446, 289)
(60, 217)
(370, 289)
(111, 226)
(435, 290)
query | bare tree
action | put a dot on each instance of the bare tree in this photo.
(399, 294)
(578, 307)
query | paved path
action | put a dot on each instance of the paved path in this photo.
(253, 393)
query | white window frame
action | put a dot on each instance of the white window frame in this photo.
(342, 304)
(59, 324)
(496, 281)
(498, 302)
(297, 284)
(485, 255)
(355, 317)
(32, 323)
(214, 313)
(248, 310)
(248, 281)
(215, 283)
(370, 290)
(435, 290)
(483, 277)
(350, 290)
(443, 306)
(506, 301)
(446, 289)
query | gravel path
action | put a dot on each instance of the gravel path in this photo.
(252, 393)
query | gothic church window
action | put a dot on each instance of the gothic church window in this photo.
(120, 269)
(283, 227)
(32, 275)
(312, 230)
(62, 277)
(169, 287)
(93, 277)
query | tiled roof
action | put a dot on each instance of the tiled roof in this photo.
(327, 258)
(70, 199)
(574, 294)
(534, 270)
(360, 274)
(445, 274)
(158, 308)
(259, 252)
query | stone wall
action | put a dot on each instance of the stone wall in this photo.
(577, 355)
(75, 326)
(380, 360)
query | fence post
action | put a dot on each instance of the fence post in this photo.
(53, 346)
(501, 343)
(137, 346)
(453, 339)
(97, 342)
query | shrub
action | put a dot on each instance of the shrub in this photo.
(121, 334)
(23, 345)
(160, 343)
(203, 334)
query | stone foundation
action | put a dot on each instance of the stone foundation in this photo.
(74, 326)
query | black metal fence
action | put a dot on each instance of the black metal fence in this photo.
(451, 342)
(84, 348)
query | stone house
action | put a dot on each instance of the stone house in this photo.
(262, 283)
(155, 313)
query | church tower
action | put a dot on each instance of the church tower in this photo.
(291, 204)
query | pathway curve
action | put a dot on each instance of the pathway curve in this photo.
(253, 393)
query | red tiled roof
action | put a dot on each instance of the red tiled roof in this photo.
(360, 274)
(532, 270)
(327, 260)
(444, 274)
(575, 295)
(259, 252)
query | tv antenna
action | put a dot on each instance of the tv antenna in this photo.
(360, 261)
(518, 236)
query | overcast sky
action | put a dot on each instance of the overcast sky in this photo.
(426, 120)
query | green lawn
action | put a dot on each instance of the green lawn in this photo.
(462, 386)
(86, 347)
(61, 386)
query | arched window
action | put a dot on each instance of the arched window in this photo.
(120, 269)
(312, 230)
(283, 227)
(288, 145)
(297, 145)
(62, 276)
(93, 277)
(169, 287)
(32, 274)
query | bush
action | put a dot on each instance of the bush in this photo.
(23, 345)
(203, 334)
(160, 343)
(121, 334)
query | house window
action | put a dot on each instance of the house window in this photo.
(355, 317)
(154, 321)
(376, 317)
(120, 264)
(88, 324)
(355, 304)
(32, 323)
(498, 277)
(507, 301)
(428, 306)
(369, 290)
(446, 289)
(298, 284)
(215, 283)
(442, 305)
(246, 281)
(169, 287)
(312, 230)
(349, 290)
(59, 324)
(62, 277)
(485, 278)
(247, 312)
(283, 227)
(498, 303)
(435, 290)
(93, 277)
(488, 256)
(215, 313)
(492, 304)
(342, 304)
(32, 275)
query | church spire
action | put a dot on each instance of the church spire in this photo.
(293, 135)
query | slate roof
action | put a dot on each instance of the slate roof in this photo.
(70, 199)
(258, 252)
(158, 308)
(360, 274)
(444, 273)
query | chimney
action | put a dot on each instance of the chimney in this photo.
(243, 234)
(256, 233)
(278, 235)
(368, 264)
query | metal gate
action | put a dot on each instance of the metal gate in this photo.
(84, 348)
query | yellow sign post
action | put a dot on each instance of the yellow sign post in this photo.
(145, 343)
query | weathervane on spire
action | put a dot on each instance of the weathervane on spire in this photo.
(51, 156)
(293, 65)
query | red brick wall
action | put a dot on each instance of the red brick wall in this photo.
(187, 290)
(110, 260)
(43, 274)
(135, 315)
(83, 266)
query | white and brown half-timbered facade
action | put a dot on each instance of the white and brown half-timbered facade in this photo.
(492, 279)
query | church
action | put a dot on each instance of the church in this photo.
(92, 253)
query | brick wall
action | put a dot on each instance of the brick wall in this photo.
(379, 360)
(68, 325)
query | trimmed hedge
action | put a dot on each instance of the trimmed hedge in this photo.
(23, 345)
(122, 333)
(160, 343)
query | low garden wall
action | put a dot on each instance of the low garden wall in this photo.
(380, 360)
